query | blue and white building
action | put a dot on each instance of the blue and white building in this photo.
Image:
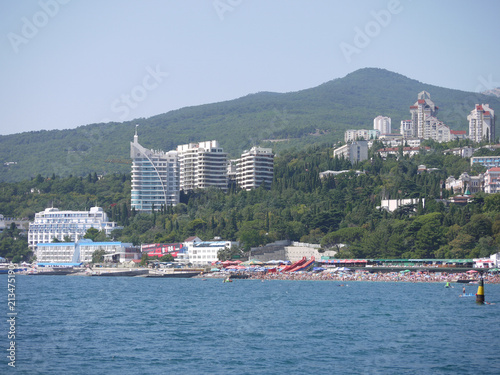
(52, 223)
(155, 177)
(81, 251)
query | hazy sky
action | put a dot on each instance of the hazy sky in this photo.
(71, 63)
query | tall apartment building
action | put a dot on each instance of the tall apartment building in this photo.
(482, 123)
(423, 108)
(155, 177)
(255, 168)
(424, 123)
(354, 152)
(382, 124)
(202, 165)
(52, 223)
(406, 129)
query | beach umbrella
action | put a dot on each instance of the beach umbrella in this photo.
(471, 271)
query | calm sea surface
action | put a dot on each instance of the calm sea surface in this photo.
(119, 325)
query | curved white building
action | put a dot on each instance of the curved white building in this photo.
(155, 177)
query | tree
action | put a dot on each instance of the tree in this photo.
(234, 252)
(167, 258)
(98, 256)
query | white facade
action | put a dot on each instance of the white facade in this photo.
(204, 253)
(202, 165)
(70, 252)
(52, 223)
(492, 181)
(155, 178)
(382, 124)
(482, 123)
(393, 204)
(406, 129)
(360, 134)
(255, 168)
(354, 152)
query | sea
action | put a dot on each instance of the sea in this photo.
(134, 325)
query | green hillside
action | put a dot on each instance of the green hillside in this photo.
(316, 115)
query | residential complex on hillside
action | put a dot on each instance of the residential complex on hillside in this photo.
(202, 165)
(255, 168)
(158, 176)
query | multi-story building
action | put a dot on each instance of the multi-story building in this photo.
(486, 161)
(205, 252)
(492, 181)
(354, 151)
(406, 129)
(155, 177)
(82, 251)
(482, 123)
(360, 134)
(52, 223)
(424, 123)
(255, 168)
(202, 165)
(423, 108)
(382, 124)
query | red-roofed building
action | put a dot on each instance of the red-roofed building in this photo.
(492, 181)
(481, 123)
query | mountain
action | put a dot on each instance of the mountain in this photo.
(492, 92)
(316, 115)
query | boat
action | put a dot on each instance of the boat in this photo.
(177, 275)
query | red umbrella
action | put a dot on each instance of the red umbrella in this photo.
(471, 271)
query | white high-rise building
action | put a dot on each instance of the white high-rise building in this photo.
(382, 124)
(482, 123)
(155, 177)
(423, 108)
(406, 129)
(52, 223)
(255, 168)
(202, 165)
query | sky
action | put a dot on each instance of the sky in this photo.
(67, 63)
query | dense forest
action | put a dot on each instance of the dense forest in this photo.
(278, 120)
(299, 206)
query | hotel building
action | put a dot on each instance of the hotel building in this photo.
(202, 165)
(52, 223)
(255, 168)
(155, 177)
(482, 123)
(81, 251)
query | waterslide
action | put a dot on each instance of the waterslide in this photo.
(304, 266)
(296, 264)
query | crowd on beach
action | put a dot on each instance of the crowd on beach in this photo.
(413, 277)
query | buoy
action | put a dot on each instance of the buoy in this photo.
(480, 292)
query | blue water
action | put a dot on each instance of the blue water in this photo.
(90, 325)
